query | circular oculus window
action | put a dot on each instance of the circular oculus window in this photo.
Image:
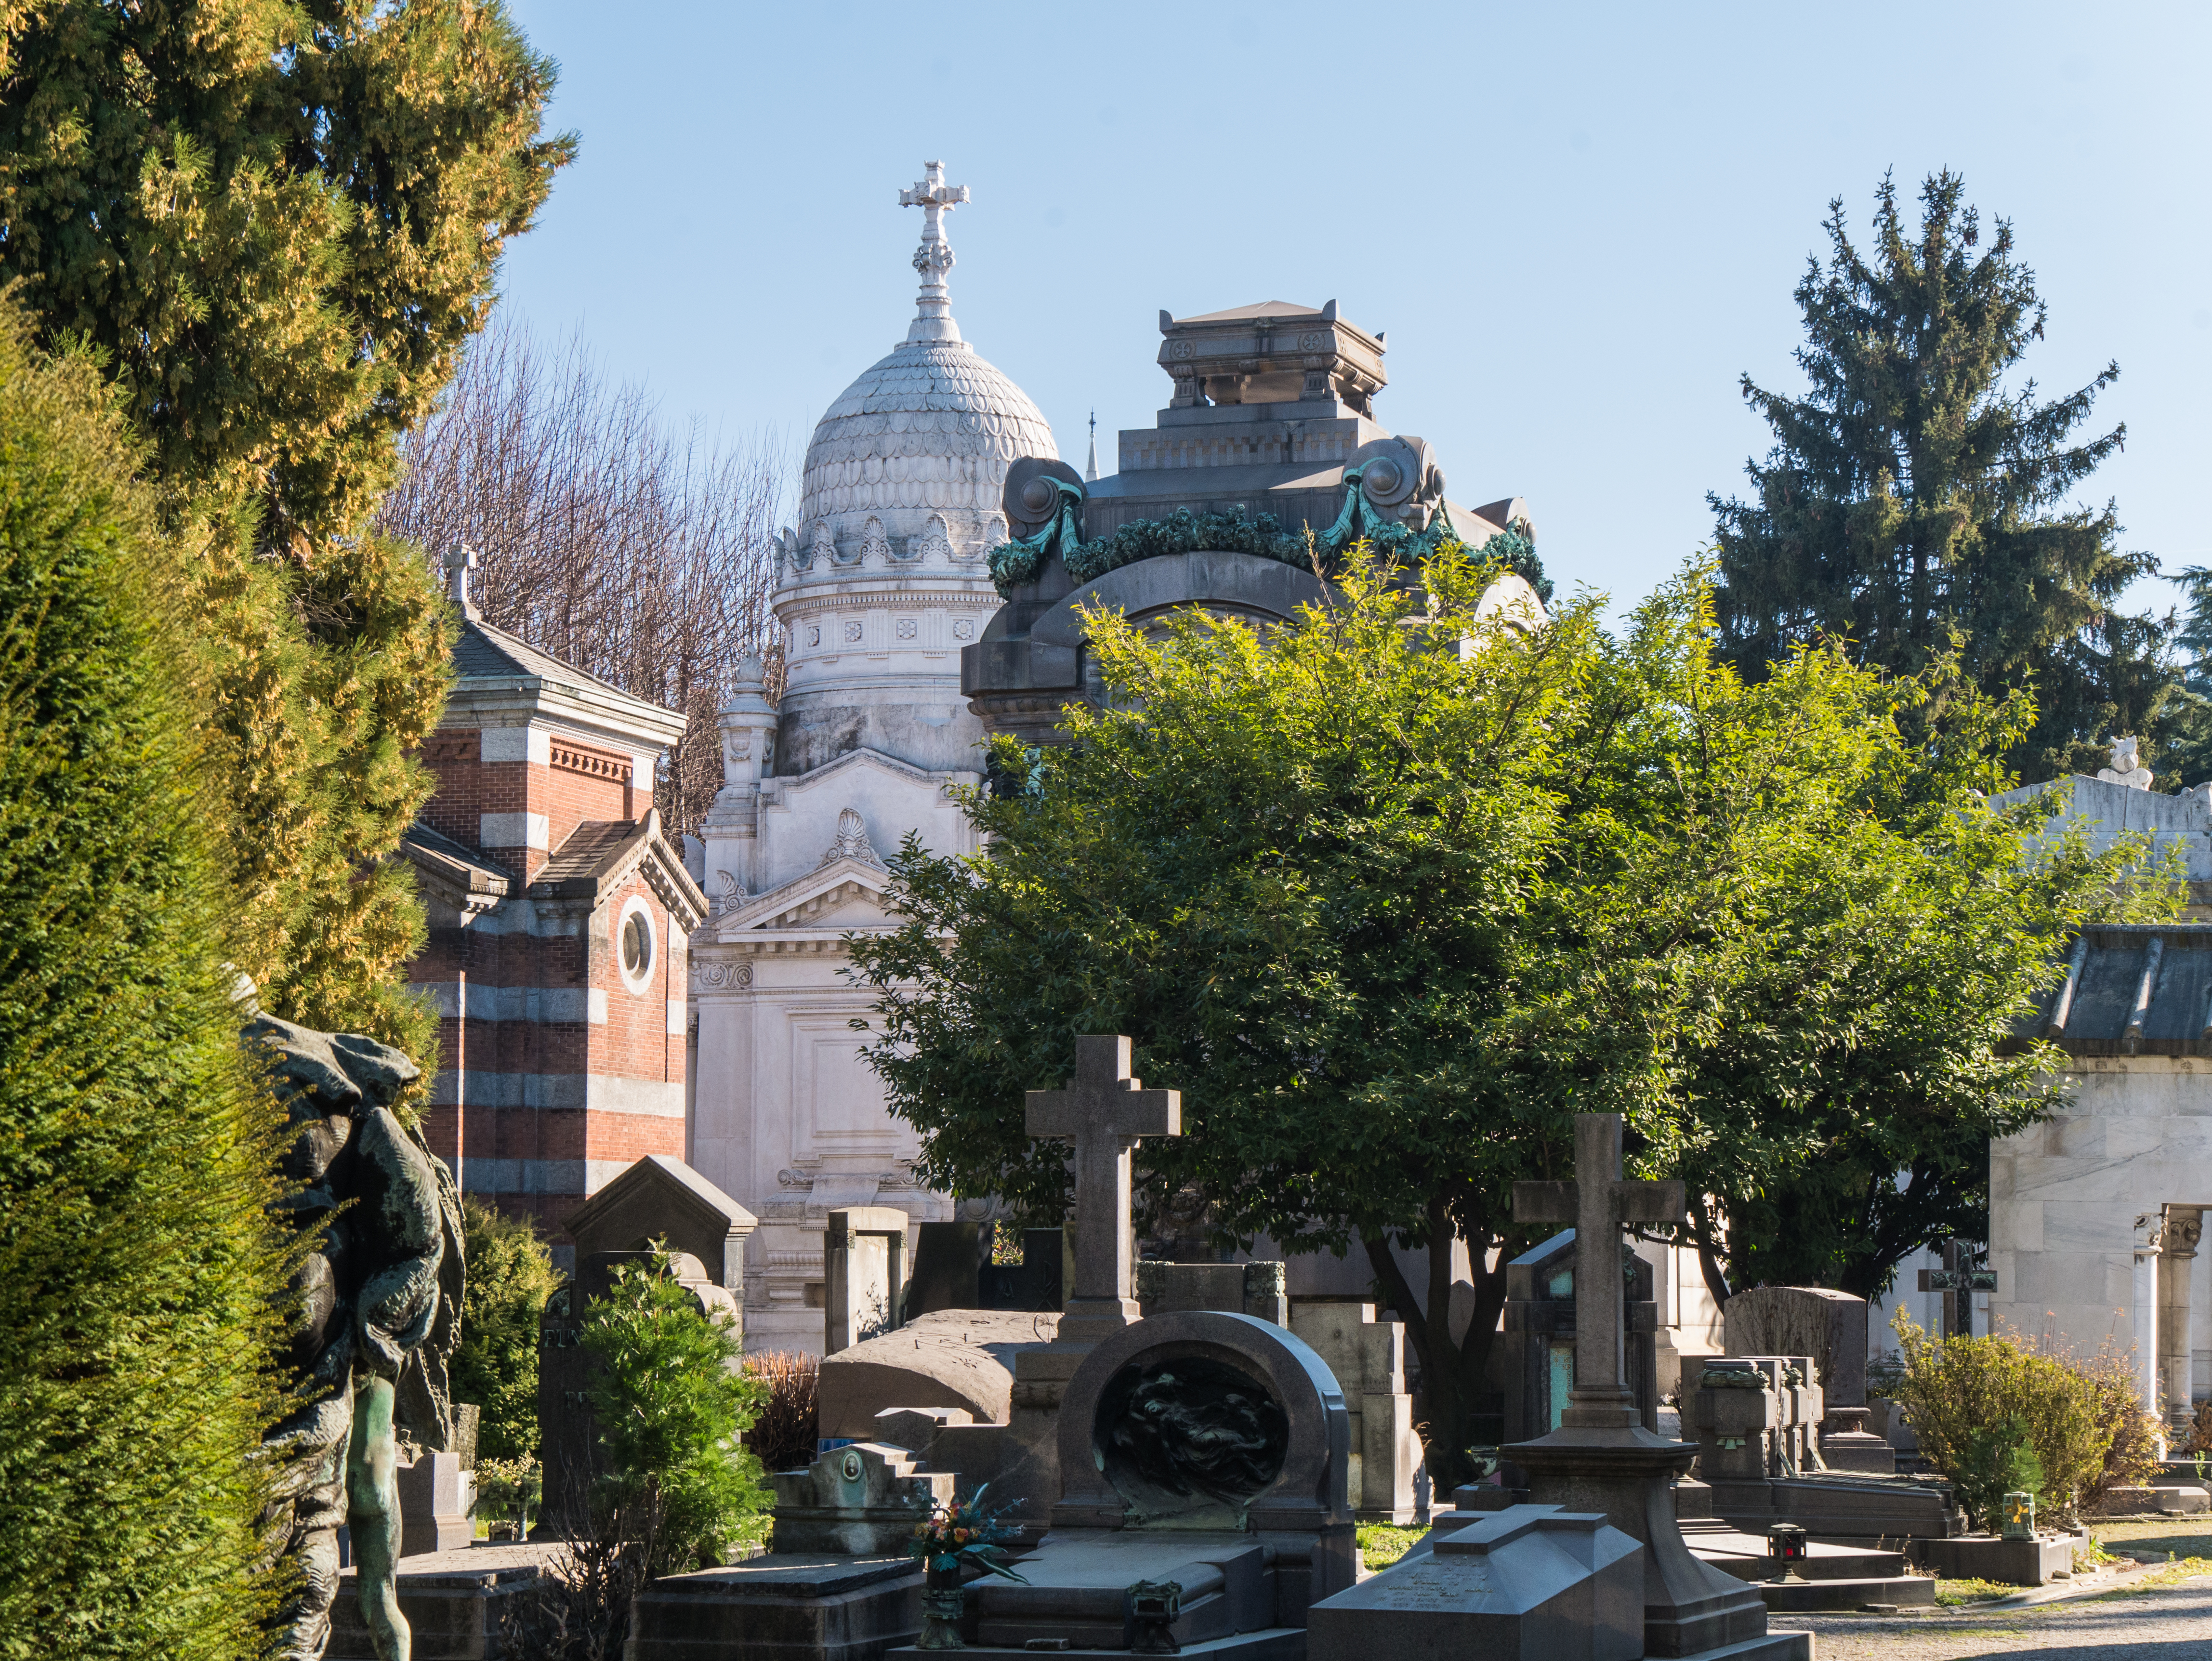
(634, 944)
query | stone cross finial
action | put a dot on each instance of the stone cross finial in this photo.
(1104, 1112)
(934, 258)
(459, 563)
(1597, 1203)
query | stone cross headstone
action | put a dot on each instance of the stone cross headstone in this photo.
(1104, 1112)
(1601, 1457)
(1597, 1202)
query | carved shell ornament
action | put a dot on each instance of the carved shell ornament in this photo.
(729, 893)
(935, 541)
(852, 842)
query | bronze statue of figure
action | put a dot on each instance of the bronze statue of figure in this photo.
(377, 1315)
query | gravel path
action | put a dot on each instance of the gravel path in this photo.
(2171, 1623)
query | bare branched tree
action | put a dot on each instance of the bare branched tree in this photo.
(642, 555)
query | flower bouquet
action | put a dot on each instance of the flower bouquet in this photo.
(965, 1532)
(957, 1534)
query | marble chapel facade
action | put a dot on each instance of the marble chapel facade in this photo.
(881, 584)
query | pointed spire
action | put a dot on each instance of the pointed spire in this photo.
(1090, 472)
(934, 258)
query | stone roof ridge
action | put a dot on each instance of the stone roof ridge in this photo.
(786, 905)
(434, 841)
(594, 846)
(598, 855)
(468, 876)
(486, 652)
(862, 756)
(670, 1176)
(1260, 308)
(2126, 805)
(2129, 989)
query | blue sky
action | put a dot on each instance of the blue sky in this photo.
(1579, 225)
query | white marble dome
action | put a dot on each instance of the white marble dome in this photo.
(926, 432)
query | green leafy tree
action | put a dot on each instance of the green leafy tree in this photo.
(274, 226)
(1910, 493)
(1390, 915)
(1799, 874)
(138, 1273)
(511, 1275)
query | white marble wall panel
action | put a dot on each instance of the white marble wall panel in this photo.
(2135, 1135)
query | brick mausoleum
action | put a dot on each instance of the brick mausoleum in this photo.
(558, 914)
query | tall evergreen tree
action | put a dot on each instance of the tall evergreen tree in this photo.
(138, 1270)
(275, 225)
(1910, 493)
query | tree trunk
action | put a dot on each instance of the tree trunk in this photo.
(1452, 1374)
(1709, 1261)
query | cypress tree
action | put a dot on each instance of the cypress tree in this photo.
(275, 226)
(138, 1272)
(1910, 493)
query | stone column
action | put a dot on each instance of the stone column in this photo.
(2145, 1312)
(2184, 1227)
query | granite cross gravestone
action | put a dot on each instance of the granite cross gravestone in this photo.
(1104, 1112)
(1600, 1458)
(1597, 1205)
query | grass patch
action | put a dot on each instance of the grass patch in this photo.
(1381, 1545)
(2184, 1537)
(2156, 1579)
(1950, 1594)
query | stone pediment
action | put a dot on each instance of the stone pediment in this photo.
(845, 892)
(864, 760)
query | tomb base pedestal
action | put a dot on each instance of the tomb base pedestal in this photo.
(1628, 1475)
(1847, 1444)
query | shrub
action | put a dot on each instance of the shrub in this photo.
(671, 1488)
(139, 1274)
(1954, 1387)
(511, 1275)
(672, 1412)
(509, 1491)
(2199, 1439)
(786, 1429)
(1997, 1460)
(2132, 1458)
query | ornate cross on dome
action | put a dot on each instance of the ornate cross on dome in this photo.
(934, 258)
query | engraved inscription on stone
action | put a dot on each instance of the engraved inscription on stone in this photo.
(1435, 1585)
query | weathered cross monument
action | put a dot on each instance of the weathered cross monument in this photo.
(1600, 1458)
(1104, 1112)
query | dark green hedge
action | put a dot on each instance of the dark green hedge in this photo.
(138, 1269)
